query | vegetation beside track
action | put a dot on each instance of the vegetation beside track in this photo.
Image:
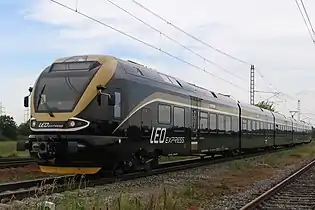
(190, 194)
(8, 149)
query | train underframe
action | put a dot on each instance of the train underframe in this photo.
(80, 154)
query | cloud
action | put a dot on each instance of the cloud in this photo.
(269, 34)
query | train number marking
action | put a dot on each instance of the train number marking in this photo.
(158, 136)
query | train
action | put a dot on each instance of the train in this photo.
(90, 113)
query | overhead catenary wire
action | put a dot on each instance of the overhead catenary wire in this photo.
(201, 41)
(172, 39)
(270, 86)
(308, 18)
(305, 22)
(145, 43)
(190, 35)
(149, 45)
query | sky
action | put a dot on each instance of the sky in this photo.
(269, 34)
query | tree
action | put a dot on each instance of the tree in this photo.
(266, 105)
(8, 127)
(24, 129)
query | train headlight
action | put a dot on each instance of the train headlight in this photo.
(33, 124)
(71, 123)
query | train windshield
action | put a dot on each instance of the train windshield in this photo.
(59, 94)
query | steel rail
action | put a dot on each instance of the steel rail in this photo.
(29, 188)
(278, 187)
(11, 162)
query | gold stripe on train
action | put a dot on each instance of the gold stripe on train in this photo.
(103, 75)
(69, 170)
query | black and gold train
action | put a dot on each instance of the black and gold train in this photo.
(98, 112)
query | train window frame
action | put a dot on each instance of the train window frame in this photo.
(254, 125)
(158, 114)
(235, 122)
(205, 117)
(244, 125)
(226, 120)
(216, 122)
(183, 109)
(66, 65)
(249, 125)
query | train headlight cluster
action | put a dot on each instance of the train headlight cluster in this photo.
(71, 123)
(33, 123)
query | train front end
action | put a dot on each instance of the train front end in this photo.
(63, 138)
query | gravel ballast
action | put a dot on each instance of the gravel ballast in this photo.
(222, 186)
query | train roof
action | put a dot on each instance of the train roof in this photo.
(179, 85)
(176, 84)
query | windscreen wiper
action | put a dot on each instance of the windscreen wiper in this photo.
(51, 114)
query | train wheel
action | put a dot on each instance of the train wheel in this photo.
(122, 168)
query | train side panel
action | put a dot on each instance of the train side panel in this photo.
(283, 131)
(257, 126)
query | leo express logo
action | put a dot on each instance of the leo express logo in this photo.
(48, 125)
(158, 136)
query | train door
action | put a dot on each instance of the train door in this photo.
(146, 122)
(195, 104)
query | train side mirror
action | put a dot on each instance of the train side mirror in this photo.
(26, 101)
(26, 98)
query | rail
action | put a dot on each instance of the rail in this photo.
(11, 162)
(49, 185)
(260, 201)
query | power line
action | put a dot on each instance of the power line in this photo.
(199, 40)
(309, 31)
(155, 29)
(193, 37)
(143, 42)
(308, 18)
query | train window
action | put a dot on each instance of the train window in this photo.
(164, 114)
(203, 115)
(203, 120)
(179, 117)
(72, 66)
(117, 107)
(249, 125)
(235, 123)
(221, 122)
(244, 125)
(265, 126)
(254, 125)
(213, 121)
(257, 125)
(166, 79)
(228, 123)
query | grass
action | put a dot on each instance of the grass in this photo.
(192, 194)
(8, 149)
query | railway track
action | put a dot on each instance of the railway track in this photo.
(295, 192)
(12, 162)
(29, 188)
